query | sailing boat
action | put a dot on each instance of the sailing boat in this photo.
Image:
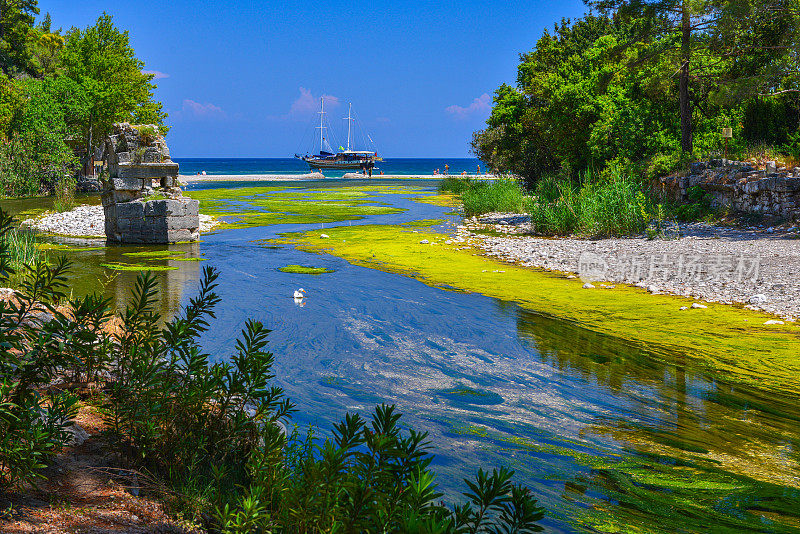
(344, 159)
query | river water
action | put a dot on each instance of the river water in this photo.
(608, 438)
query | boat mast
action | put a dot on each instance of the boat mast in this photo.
(349, 120)
(321, 123)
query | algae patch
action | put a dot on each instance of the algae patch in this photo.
(301, 269)
(168, 254)
(263, 206)
(137, 267)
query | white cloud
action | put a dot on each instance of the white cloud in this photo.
(481, 105)
(157, 75)
(202, 110)
(307, 103)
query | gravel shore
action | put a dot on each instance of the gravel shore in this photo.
(757, 267)
(87, 221)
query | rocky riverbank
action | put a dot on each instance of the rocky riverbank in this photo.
(87, 221)
(755, 267)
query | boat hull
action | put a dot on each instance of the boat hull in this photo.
(335, 164)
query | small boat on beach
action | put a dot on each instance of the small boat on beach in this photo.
(346, 158)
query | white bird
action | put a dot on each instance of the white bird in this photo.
(299, 293)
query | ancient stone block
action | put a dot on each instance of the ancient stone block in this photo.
(151, 155)
(131, 218)
(125, 183)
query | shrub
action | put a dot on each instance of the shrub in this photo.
(33, 423)
(64, 190)
(147, 133)
(698, 206)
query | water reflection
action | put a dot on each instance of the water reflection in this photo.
(174, 275)
(691, 445)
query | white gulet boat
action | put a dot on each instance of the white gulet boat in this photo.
(346, 158)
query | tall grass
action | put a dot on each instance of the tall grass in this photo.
(23, 247)
(64, 195)
(503, 195)
(592, 207)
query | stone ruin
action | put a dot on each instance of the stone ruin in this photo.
(740, 186)
(135, 210)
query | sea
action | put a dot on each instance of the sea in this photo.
(289, 166)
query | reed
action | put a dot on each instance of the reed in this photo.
(591, 207)
(478, 197)
(22, 248)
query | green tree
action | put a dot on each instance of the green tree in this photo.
(36, 157)
(102, 62)
(737, 43)
(16, 21)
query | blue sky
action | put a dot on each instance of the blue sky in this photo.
(243, 78)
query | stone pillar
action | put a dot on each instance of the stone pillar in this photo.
(135, 211)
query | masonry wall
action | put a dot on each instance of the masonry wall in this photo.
(741, 187)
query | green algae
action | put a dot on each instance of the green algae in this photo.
(462, 394)
(264, 206)
(136, 267)
(169, 254)
(471, 430)
(645, 491)
(188, 259)
(65, 247)
(301, 269)
(721, 338)
(381, 189)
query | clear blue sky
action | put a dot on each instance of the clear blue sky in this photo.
(242, 78)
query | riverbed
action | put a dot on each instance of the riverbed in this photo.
(612, 426)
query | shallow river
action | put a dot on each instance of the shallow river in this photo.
(608, 438)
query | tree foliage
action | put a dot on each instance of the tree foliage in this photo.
(627, 85)
(16, 23)
(59, 92)
(103, 64)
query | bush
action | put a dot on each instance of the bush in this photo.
(617, 206)
(64, 191)
(697, 206)
(33, 422)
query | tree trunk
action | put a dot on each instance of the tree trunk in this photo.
(685, 105)
(89, 154)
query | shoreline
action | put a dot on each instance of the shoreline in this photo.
(758, 269)
(316, 176)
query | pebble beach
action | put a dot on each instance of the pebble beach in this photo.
(757, 268)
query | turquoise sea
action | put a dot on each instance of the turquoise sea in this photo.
(284, 166)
